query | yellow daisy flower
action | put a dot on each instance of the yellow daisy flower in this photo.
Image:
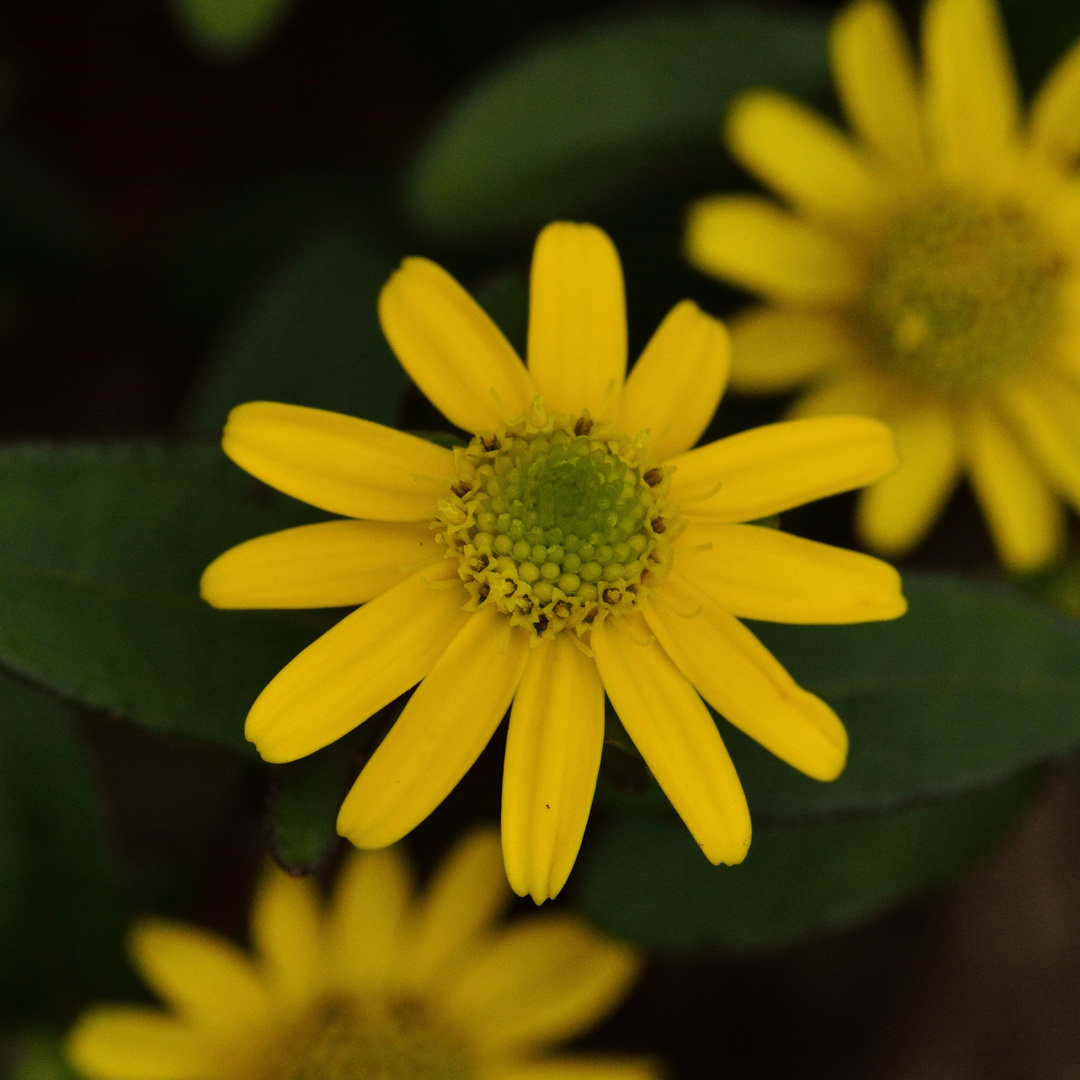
(928, 272)
(575, 546)
(379, 985)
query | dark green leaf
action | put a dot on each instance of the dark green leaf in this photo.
(646, 880)
(561, 128)
(228, 28)
(100, 555)
(974, 684)
(61, 925)
(309, 336)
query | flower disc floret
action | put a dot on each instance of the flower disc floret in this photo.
(961, 294)
(557, 523)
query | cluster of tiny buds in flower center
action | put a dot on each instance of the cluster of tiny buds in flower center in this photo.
(554, 524)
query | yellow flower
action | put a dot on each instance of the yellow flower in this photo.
(381, 985)
(928, 272)
(576, 546)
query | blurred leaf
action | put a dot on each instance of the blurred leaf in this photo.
(646, 880)
(594, 112)
(101, 549)
(309, 336)
(505, 297)
(230, 28)
(37, 1056)
(61, 925)
(974, 684)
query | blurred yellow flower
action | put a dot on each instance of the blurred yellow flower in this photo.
(379, 985)
(928, 272)
(575, 546)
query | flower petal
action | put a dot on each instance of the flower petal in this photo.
(776, 349)
(743, 681)
(542, 980)
(806, 159)
(759, 573)
(286, 927)
(577, 320)
(451, 349)
(1052, 127)
(753, 243)
(676, 736)
(339, 463)
(113, 1042)
(845, 394)
(1025, 519)
(581, 1067)
(875, 78)
(440, 733)
(1046, 415)
(331, 564)
(972, 100)
(367, 920)
(467, 894)
(206, 979)
(369, 658)
(772, 468)
(897, 512)
(552, 759)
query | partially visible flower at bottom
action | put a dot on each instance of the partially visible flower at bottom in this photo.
(378, 985)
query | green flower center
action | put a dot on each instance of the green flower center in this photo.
(554, 524)
(353, 1040)
(961, 294)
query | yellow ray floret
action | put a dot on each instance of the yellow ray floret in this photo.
(577, 547)
(925, 270)
(377, 983)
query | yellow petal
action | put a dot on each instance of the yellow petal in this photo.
(972, 100)
(286, 927)
(758, 573)
(846, 394)
(339, 463)
(743, 681)
(368, 916)
(363, 663)
(206, 979)
(331, 564)
(581, 1067)
(753, 243)
(132, 1043)
(1045, 414)
(452, 349)
(875, 78)
(1052, 125)
(1025, 519)
(467, 894)
(897, 512)
(676, 736)
(542, 980)
(552, 758)
(440, 733)
(776, 349)
(577, 320)
(772, 468)
(676, 385)
(803, 157)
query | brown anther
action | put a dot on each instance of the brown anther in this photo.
(612, 596)
(490, 442)
(541, 624)
(525, 607)
(484, 590)
(562, 609)
(658, 524)
(479, 564)
(509, 587)
(653, 477)
(591, 614)
(461, 489)
(583, 425)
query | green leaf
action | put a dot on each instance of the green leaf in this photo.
(974, 684)
(230, 28)
(577, 119)
(61, 925)
(100, 555)
(309, 336)
(646, 880)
